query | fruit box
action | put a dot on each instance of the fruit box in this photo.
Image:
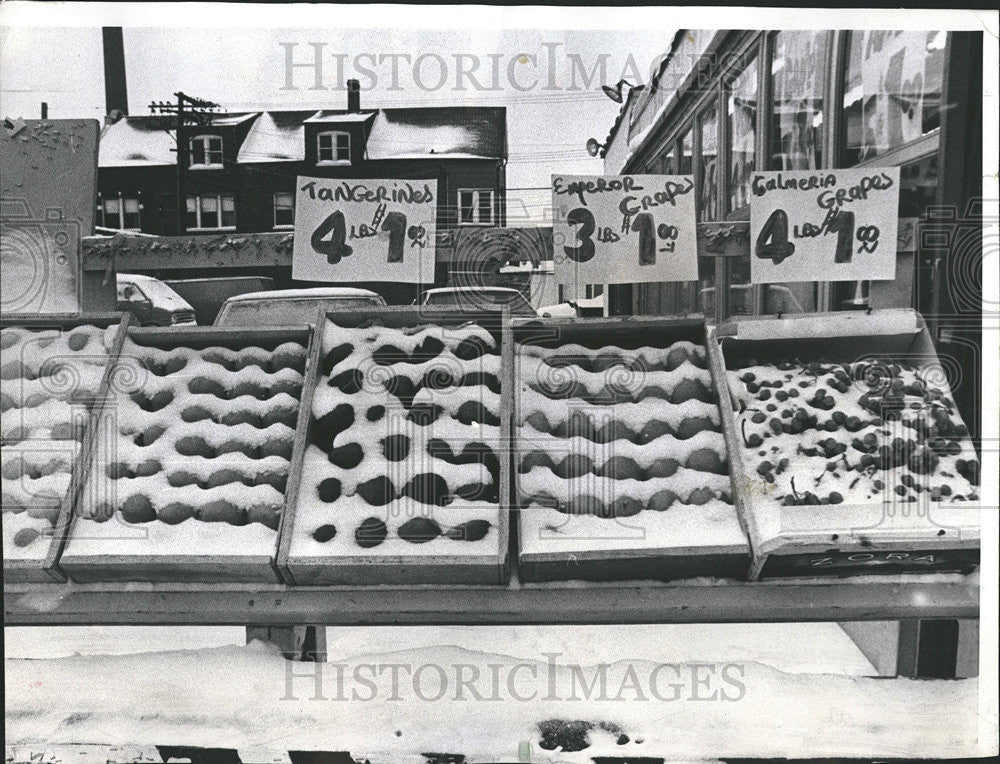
(858, 408)
(80, 369)
(404, 477)
(192, 457)
(621, 469)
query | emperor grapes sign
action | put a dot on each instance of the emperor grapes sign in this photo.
(364, 230)
(621, 229)
(836, 225)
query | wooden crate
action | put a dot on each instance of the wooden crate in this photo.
(724, 552)
(84, 564)
(839, 540)
(372, 569)
(45, 570)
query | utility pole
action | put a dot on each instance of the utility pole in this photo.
(197, 111)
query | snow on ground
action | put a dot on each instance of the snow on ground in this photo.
(448, 699)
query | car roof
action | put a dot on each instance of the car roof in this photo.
(315, 292)
(442, 290)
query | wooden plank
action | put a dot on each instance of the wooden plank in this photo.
(715, 601)
(605, 561)
(844, 539)
(373, 568)
(45, 570)
(236, 567)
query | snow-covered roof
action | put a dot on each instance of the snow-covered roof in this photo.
(276, 136)
(334, 116)
(332, 292)
(279, 136)
(149, 140)
(133, 141)
(455, 132)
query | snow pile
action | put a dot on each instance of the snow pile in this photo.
(404, 441)
(194, 456)
(621, 448)
(395, 706)
(49, 379)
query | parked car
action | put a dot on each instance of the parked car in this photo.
(208, 295)
(152, 302)
(475, 298)
(291, 307)
(592, 307)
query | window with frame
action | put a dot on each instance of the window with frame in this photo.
(892, 91)
(333, 147)
(684, 165)
(120, 212)
(475, 206)
(741, 134)
(206, 151)
(798, 63)
(708, 124)
(284, 209)
(211, 212)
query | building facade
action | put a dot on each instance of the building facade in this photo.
(240, 168)
(726, 104)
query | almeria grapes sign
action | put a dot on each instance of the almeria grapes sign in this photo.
(824, 225)
(621, 229)
(364, 230)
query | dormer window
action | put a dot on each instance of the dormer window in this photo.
(206, 151)
(333, 147)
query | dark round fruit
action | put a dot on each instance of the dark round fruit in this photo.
(758, 418)
(25, 536)
(324, 533)
(348, 382)
(375, 413)
(396, 447)
(335, 356)
(473, 530)
(371, 532)
(428, 488)
(419, 530)
(378, 491)
(347, 456)
(329, 490)
(138, 509)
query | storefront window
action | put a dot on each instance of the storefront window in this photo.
(797, 67)
(892, 90)
(706, 286)
(742, 132)
(708, 207)
(684, 166)
(668, 163)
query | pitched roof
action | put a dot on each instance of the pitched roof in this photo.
(455, 132)
(149, 140)
(470, 132)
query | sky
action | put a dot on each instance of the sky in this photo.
(549, 80)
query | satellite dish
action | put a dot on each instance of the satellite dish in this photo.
(593, 146)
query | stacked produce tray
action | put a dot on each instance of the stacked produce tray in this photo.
(191, 458)
(620, 461)
(404, 479)
(855, 456)
(53, 371)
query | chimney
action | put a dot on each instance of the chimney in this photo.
(115, 93)
(353, 96)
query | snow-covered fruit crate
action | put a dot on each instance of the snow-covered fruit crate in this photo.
(53, 370)
(405, 475)
(854, 455)
(191, 459)
(621, 468)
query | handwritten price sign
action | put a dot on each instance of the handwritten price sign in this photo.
(622, 229)
(837, 225)
(364, 230)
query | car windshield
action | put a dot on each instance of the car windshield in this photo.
(284, 312)
(480, 298)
